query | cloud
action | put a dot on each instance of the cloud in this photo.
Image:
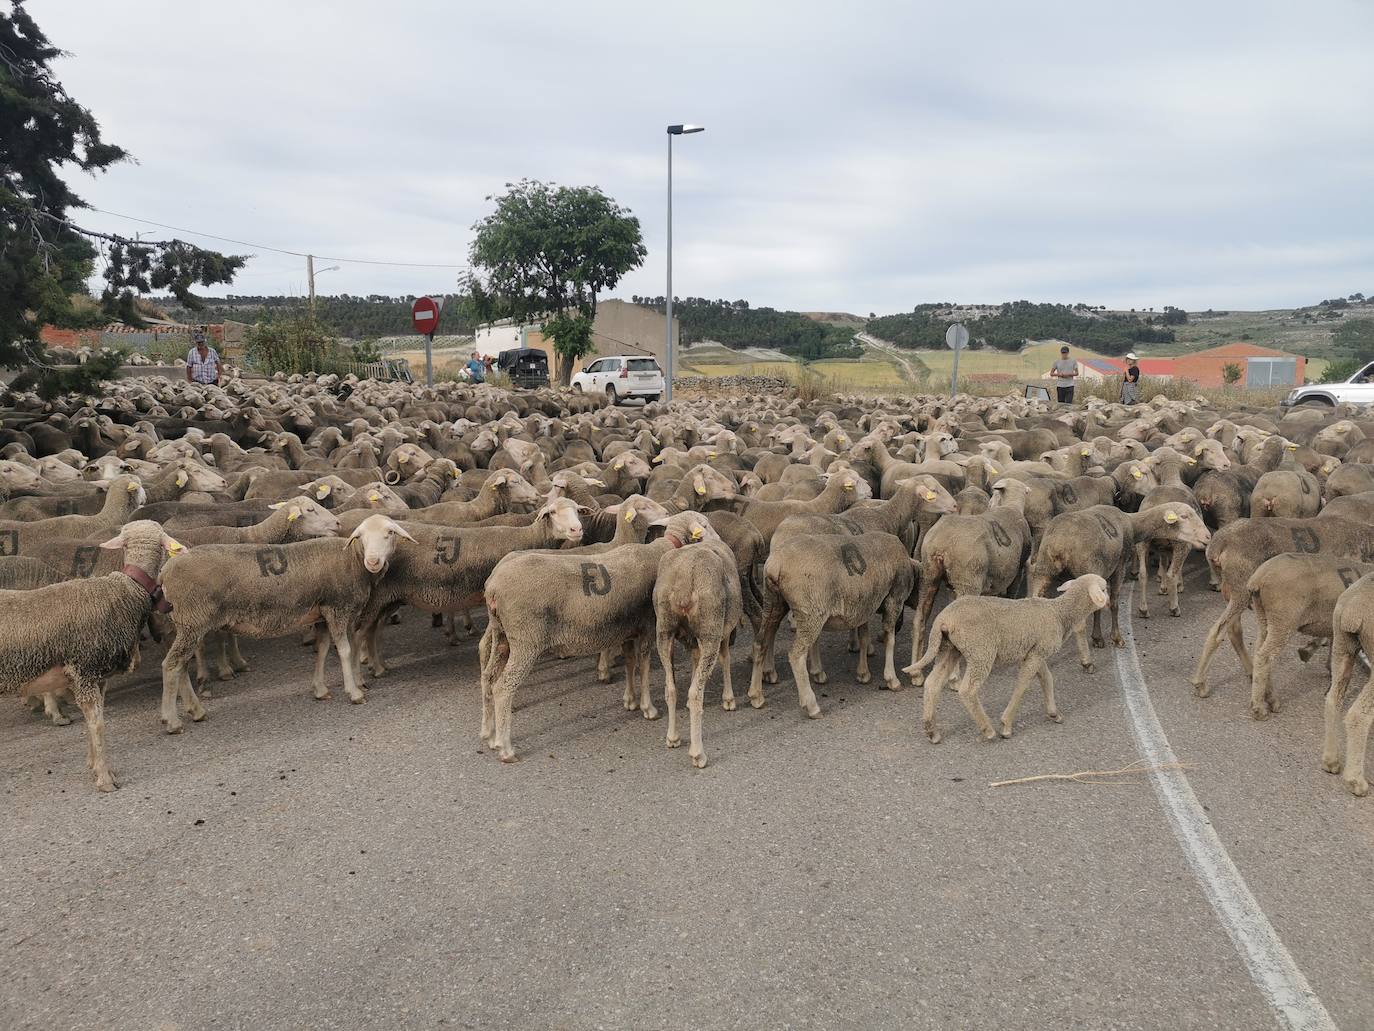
(865, 156)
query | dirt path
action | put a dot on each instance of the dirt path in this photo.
(908, 371)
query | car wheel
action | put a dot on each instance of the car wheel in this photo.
(611, 395)
(650, 398)
(1315, 402)
(577, 387)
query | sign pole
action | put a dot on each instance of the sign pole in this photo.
(954, 376)
(956, 339)
(429, 359)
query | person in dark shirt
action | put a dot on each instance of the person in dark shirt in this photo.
(1130, 381)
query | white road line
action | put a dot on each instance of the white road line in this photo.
(1271, 967)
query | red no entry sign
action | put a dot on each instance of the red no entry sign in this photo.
(424, 314)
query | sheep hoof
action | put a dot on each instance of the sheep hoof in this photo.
(1006, 732)
(1118, 641)
(1359, 787)
(990, 734)
(699, 761)
(509, 757)
(107, 783)
(895, 684)
(1089, 667)
(820, 676)
(630, 705)
(1215, 587)
(862, 678)
(1143, 613)
(728, 704)
(932, 733)
(199, 715)
(917, 679)
(61, 721)
(1332, 765)
(1098, 642)
(650, 713)
(323, 696)
(1200, 689)
(603, 677)
(204, 691)
(1175, 612)
(770, 676)
(173, 728)
(1259, 712)
(674, 742)
(1054, 717)
(813, 711)
(757, 700)
(225, 674)
(245, 668)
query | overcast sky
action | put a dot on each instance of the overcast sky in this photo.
(858, 157)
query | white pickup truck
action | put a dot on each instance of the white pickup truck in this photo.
(1357, 390)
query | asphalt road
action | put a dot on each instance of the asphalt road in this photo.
(292, 863)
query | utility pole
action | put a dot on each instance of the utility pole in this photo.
(310, 277)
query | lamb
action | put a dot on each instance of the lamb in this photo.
(832, 582)
(697, 598)
(981, 632)
(1351, 632)
(1240, 548)
(1103, 540)
(277, 591)
(570, 606)
(1291, 594)
(72, 636)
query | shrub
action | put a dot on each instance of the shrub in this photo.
(293, 344)
(1231, 373)
(53, 381)
(1338, 370)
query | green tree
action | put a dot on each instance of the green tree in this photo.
(1231, 373)
(1354, 336)
(45, 257)
(545, 254)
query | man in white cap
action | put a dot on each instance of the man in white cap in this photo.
(1130, 381)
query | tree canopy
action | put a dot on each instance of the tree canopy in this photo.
(45, 257)
(1015, 322)
(736, 325)
(546, 252)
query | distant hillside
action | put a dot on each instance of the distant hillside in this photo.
(352, 317)
(738, 325)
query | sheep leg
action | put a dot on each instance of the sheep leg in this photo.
(518, 667)
(863, 675)
(727, 698)
(373, 636)
(1024, 676)
(1114, 603)
(90, 696)
(1143, 577)
(322, 642)
(1237, 636)
(603, 666)
(854, 645)
(493, 652)
(890, 678)
(1085, 657)
(52, 708)
(1097, 640)
(753, 608)
(1357, 723)
(974, 675)
(646, 702)
(1047, 685)
(763, 646)
(1342, 665)
(808, 630)
(948, 658)
(696, 693)
(929, 588)
(176, 679)
(1180, 556)
(202, 675)
(223, 670)
(665, 659)
(813, 662)
(236, 660)
(340, 632)
(630, 701)
(1268, 647)
(1213, 642)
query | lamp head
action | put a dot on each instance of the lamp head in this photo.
(683, 130)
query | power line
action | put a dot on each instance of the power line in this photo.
(275, 250)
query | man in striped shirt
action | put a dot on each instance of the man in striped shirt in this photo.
(202, 361)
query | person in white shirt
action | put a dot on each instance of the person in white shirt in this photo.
(202, 361)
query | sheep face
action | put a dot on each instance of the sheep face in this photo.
(1211, 455)
(517, 489)
(311, 519)
(376, 539)
(933, 495)
(562, 517)
(1096, 587)
(1188, 526)
(21, 476)
(194, 476)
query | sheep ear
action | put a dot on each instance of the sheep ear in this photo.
(401, 531)
(660, 521)
(182, 478)
(115, 543)
(276, 505)
(1064, 586)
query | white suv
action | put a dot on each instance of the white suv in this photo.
(621, 376)
(1357, 390)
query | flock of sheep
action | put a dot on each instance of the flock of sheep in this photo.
(192, 516)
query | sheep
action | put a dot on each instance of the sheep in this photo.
(1290, 594)
(697, 598)
(276, 591)
(1239, 549)
(443, 568)
(1289, 493)
(841, 491)
(26, 574)
(570, 606)
(71, 636)
(1351, 633)
(977, 554)
(503, 490)
(1103, 540)
(291, 521)
(832, 582)
(981, 632)
(18, 537)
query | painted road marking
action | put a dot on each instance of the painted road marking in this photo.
(1271, 966)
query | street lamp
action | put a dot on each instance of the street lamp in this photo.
(673, 130)
(311, 272)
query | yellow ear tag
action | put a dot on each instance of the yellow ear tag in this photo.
(1137, 473)
(1085, 452)
(629, 515)
(132, 487)
(1170, 517)
(848, 485)
(701, 490)
(1192, 461)
(181, 479)
(618, 466)
(403, 459)
(930, 495)
(455, 474)
(174, 547)
(696, 533)
(713, 454)
(658, 458)
(1326, 469)
(293, 515)
(1292, 447)
(374, 496)
(843, 440)
(322, 491)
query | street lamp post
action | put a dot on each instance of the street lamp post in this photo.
(673, 130)
(311, 272)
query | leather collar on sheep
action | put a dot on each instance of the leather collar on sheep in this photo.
(154, 589)
(676, 542)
